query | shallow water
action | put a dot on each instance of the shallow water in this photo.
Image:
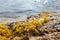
(11, 10)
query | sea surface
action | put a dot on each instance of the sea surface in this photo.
(16, 10)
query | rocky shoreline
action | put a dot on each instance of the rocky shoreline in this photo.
(43, 26)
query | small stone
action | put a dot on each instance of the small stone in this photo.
(57, 27)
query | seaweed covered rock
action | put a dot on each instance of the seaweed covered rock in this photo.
(42, 26)
(4, 30)
(4, 38)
